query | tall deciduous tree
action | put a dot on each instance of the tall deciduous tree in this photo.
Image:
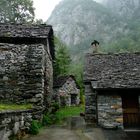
(16, 11)
(62, 59)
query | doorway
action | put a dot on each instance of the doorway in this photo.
(131, 111)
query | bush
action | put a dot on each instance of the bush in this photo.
(35, 126)
(50, 119)
(55, 107)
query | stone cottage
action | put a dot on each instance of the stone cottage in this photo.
(112, 90)
(26, 72)
(66, 91)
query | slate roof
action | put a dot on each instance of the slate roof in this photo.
(27, 34)
(24, 30)
(60, 81)
(112, 70)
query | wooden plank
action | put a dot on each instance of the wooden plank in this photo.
(131, 110)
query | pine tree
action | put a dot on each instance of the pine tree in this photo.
(62, 59)
(16, 11)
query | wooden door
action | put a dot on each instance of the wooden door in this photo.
(131, 111)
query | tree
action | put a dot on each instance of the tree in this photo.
(62, 59)
(16, 11)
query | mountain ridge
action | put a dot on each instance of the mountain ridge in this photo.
(78, 22)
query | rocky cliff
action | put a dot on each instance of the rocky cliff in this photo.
(79, 22)
(123, 8)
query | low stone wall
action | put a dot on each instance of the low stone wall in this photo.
(110, 113)
(14, 123)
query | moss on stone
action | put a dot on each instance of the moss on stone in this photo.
(14, 107)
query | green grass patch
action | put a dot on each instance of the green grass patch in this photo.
(4, 107)
(70, 111)
(61, 114)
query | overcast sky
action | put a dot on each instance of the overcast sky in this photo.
(45, 7)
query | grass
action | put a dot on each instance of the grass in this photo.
(69, 111)
(55, 118)
(61, 114)
(4, 107)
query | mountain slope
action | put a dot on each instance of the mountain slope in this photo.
(115, 24)
(123, 8)
(75, 20)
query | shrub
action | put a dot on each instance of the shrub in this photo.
(50, 119)
(47, 119)
(34, 128)
(55, 107)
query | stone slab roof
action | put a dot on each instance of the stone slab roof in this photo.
(24, 30)
(60, 81)
(27, 34)
(112, 70)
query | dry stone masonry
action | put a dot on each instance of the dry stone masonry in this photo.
(14, 122)
(110, 112)
(26, 71)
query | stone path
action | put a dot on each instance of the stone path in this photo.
(76, 129)
(59, 134)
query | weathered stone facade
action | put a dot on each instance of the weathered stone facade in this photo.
(21, 73)
(14, 122)
(109, 79)
(66, 91)
(26, 67)
(110, 112)
(90, 104)
(26, 71)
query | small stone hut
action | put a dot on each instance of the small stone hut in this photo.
(66, 91)
(26, 72)
(112, 90)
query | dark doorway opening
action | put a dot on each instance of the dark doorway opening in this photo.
(131, 111)
(73, 99)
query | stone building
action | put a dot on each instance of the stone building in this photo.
(66, 91)
(112, 90)
(26, 73)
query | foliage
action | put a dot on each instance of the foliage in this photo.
(49, 119)
(16, 11)
(14, 107)
(57, 117)
(63, 60)
(34, 128)
(39, 21)
(55, 107)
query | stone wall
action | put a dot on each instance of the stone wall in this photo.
(48, 80)
(21, 73)
(110, 112)
(90, 104)
(25, 74)
(14, 123)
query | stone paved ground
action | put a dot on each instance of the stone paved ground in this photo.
(59, 133)
(102, 134)
(76, 129)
